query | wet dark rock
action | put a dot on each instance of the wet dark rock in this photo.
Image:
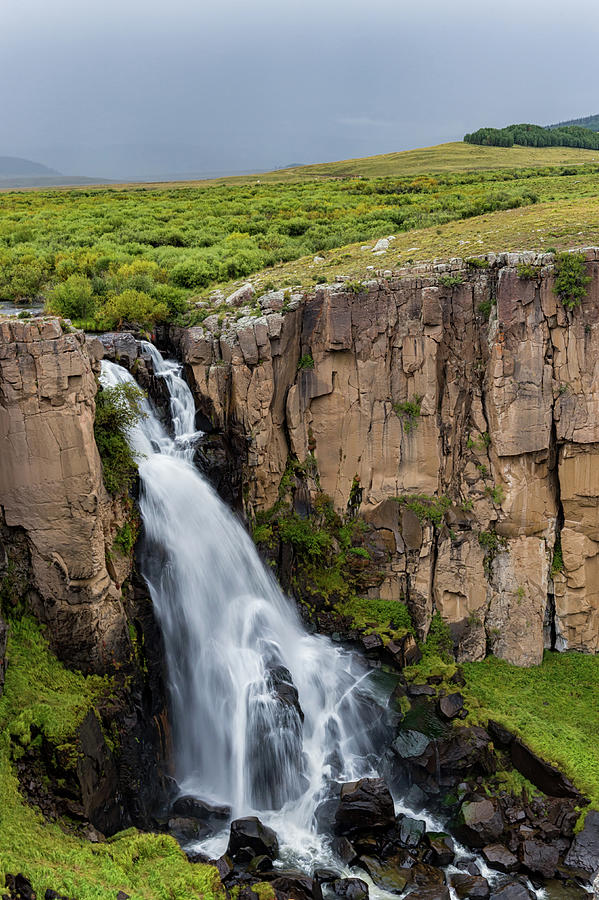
(327, 809)
(403, 651)
(282, 683)
(365, 805)
(186, 828)
(386, 874)
(420, 690)
(424, 875)
(480, 822)
(415, 798)
(54, 895)
(450, 706)
(344, 850)
(259, 864)
(122, 896)
(291, 884)
(372, 643)
(249, 838)
(325, 876)
(200, 809)
(196, 856)
(470, 886)
(501, 736)
(468, 865)
(350, 888)
(411, 831)
(513, 890)
(432, 892)
(224, 865)
(458, 679)
(410, 744)
(539, 858)
(442, 850)
(584, 852)
(544, 776)
(19, 888)
(499, 858)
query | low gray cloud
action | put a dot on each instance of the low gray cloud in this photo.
(124, 87)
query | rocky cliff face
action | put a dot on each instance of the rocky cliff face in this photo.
(51, 489)
(460, 388)
(58, 560)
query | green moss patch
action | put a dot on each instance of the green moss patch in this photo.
(553, 707)
(41, 696)
(389, 618)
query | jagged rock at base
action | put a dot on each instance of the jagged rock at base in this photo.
(584, 853)
(507, 426)
(249, 838)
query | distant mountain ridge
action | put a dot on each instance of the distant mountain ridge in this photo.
(590, 122)
(15, 166)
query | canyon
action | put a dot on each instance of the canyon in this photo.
(452, 407)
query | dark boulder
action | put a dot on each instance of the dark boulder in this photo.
(415, 799)
(186, 828)
(441, 849)
(411, 744)
(224, 865)
(450, 706)
(544, 776)
(432, 892)
(501, 736)
(479, 822)
(539, 858)
(365, 805)
(350, 889)
(282, 685)
(420, 690)
(583, 855)
(200, 809)
(470, 886)
(386, 874)
(424, 875)
(291, 884)
(513, 890)
(372, 644)
(249, 838)
(411, 831)
(499, 858)
(403, 651)
(343, 849)
(19, 888)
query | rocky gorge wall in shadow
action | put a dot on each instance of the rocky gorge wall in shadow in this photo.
(505, 433)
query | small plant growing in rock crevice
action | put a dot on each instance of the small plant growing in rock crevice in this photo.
(118, 409)
(450, 281)
(409, 413)
(571, 279)
(528, 272)
(557, 563)
(305, 362)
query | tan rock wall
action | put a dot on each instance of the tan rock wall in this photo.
(51, 486)
(508, 430)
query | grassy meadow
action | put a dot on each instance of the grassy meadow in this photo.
(104, 256)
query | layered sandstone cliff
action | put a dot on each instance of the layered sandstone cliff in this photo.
(51, 489)
(501, 419)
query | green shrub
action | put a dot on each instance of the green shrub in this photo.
(557, 563)
(475, 262)
(571, 279)
(126, 536)
(117, 409)
(389, 618)
(133, 307)
(450, 281)
(528, 272)
(428, 508)
(409, 413)
(305, 539)
(73, 298)
(305, 362)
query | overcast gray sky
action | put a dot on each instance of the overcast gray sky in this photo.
(120, 88)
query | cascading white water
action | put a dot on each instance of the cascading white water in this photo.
(237, 653)
(236, 649)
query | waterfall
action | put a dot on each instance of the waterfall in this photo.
(264, 714)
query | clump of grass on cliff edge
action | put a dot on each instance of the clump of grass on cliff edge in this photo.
(117, 409)
(40, 692)
(553, 707)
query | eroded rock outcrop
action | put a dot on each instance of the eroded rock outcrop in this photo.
(51, 489)
(469, 385)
